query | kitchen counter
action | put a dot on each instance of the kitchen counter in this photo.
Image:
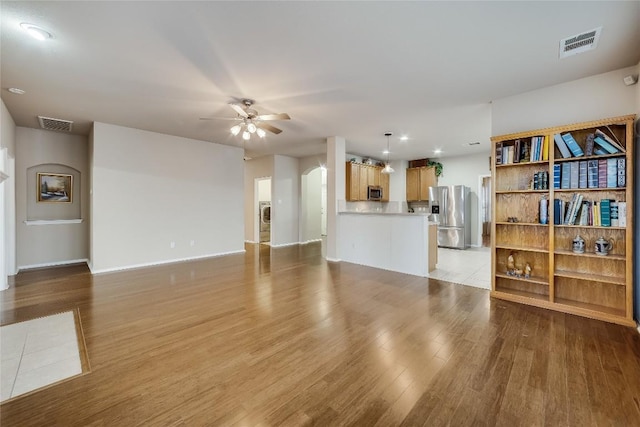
(391, 241)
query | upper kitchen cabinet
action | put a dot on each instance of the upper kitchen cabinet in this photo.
(358, 179)
(418, 182)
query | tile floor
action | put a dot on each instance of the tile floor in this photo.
(38, 352)
(471, 267)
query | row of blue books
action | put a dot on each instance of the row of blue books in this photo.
(597, 143)
(593, 173)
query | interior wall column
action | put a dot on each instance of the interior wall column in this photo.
(335, 193)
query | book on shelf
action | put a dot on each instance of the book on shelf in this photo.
(602, 173)
(557, 212)
(498, 153)
(622, 214)
(596, 214)
(562, 146)
(556, 175)
(575, 174)
(516, 151)
(565, 180)
(576, 207)
(622, 172)
(610, 149)
(612, 173)
(599, 151)
(582, 177)
(616, 144)
(572, 144)
(588, 148)
(545, 148)
(615, 221)
(584, 213)
(605, 212)
(592, 173)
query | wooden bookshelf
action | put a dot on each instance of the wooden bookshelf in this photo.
(589, 284)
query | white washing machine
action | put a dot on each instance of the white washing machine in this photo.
(265, 221)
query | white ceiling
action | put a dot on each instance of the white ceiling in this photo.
(354, 69)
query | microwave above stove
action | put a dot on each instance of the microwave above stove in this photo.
(374, 193)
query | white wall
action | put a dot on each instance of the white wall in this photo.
(261, 167)
(8, 207)
(465, 170)
(311, 206)
(285, 201)
(592, 98)
(40, 150)
(151, 189)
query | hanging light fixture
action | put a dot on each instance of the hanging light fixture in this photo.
(387, 167)
(247, 127)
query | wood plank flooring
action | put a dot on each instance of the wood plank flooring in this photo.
(279, 337)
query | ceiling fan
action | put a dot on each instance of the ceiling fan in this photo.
(250, 120)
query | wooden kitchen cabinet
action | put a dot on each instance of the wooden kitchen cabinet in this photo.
(418, 182)
(358, 179)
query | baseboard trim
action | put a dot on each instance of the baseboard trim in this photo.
(156, 263)
(52, 264)
(283, 245)
(333, 259)
(311, 241)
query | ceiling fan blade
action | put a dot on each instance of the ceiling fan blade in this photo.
(220, 118)
(270, 128)
(279, 116)
(238, 109)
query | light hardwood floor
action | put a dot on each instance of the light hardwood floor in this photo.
(281, 337)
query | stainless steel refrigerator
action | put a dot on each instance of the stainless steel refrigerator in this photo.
(450, 210)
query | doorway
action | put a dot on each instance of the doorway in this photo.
(485, 210)
(263, 205)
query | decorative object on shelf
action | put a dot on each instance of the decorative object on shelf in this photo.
(578, 245)
(511, 265)
(55, 187)
(387, 166)
(527, 271)
(544, 210)
(603, 246)
(512, 219)
(436, 165)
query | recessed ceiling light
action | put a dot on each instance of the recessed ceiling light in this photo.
(16, 90)
(404, 138)
(385, 152)
(36, 32)
(437, 151)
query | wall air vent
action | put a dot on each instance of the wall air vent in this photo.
(579, 43)
(55, 124)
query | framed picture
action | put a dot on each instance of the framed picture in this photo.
(55, 187)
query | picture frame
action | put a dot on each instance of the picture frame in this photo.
(55, 187)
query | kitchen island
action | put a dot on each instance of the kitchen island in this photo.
(391, 241)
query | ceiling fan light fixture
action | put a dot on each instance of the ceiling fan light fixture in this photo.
(251, 127)
(246, 135)
(235, 130)
(261, 133)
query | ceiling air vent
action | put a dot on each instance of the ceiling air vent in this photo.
(55, 124)
(579, 43)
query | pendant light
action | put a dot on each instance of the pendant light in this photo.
(387, 167)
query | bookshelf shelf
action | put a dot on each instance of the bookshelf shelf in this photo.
(601, 156)
(590, 277)
(590, 255)
(574, 190)
(521, 248)
(521, 191)
(530, 224)
(542, 162)
(594, 227)
(533, 279)
(587, 284)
